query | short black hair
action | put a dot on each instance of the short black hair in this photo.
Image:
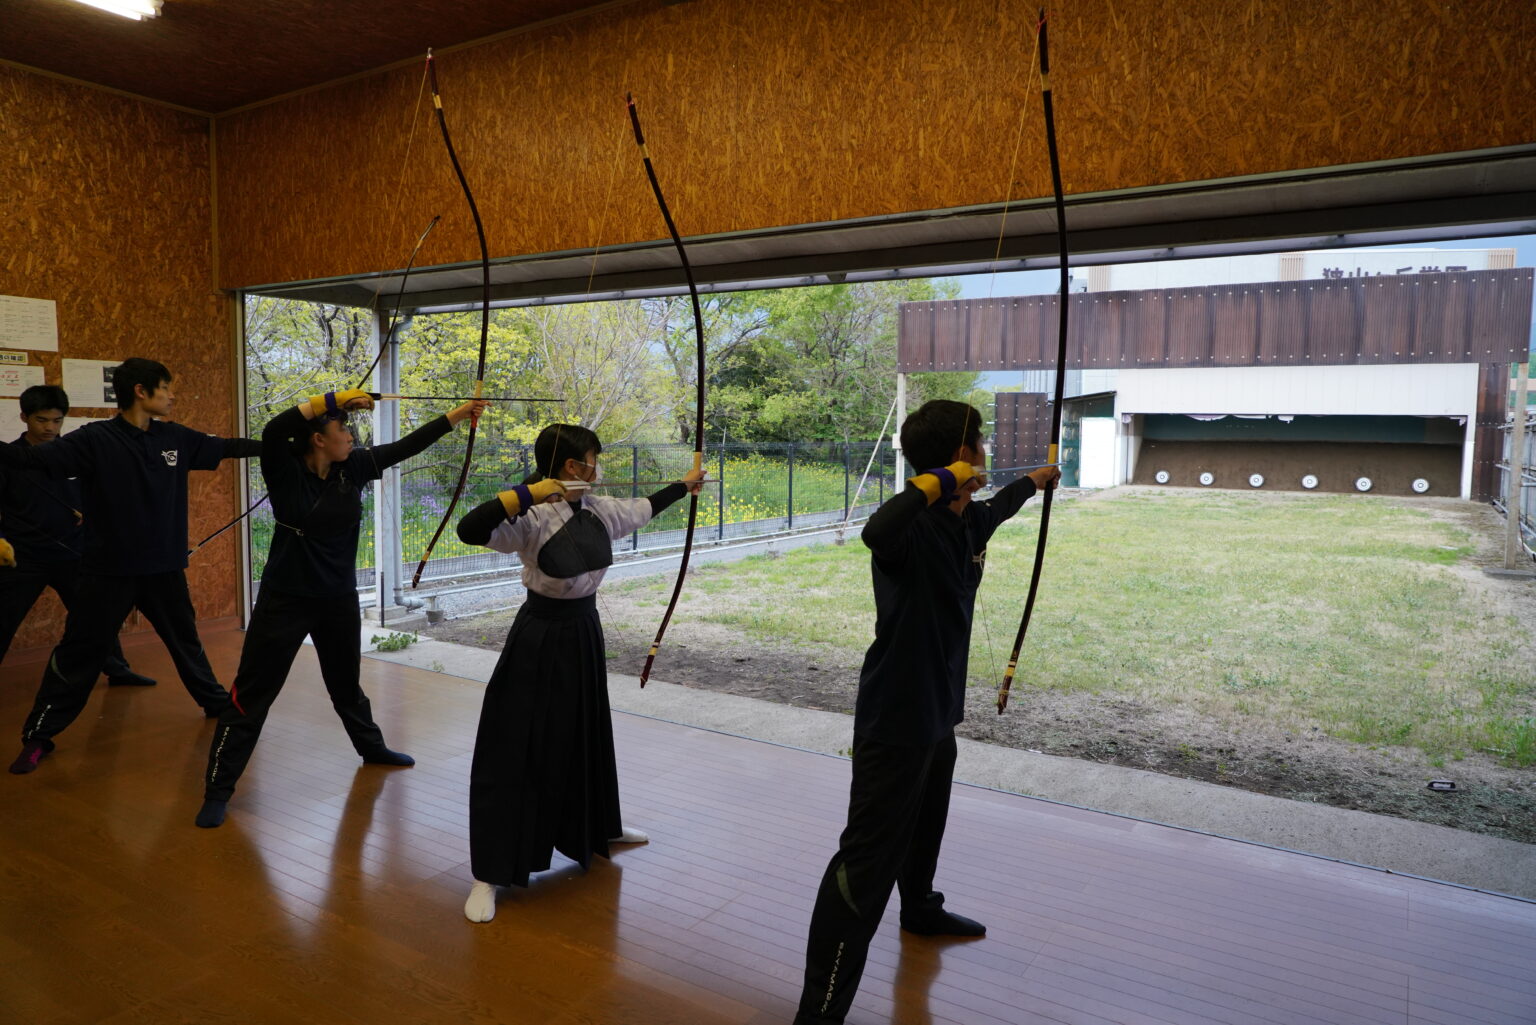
(301, 443)
(134, 371)
(557, 443)
(930, 436)
(44, 396)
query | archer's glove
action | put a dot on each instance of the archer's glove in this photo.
(336, 401)
(943, 483)
(523, 497)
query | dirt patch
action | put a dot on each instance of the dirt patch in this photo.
(1388, 781)
(1305, 766)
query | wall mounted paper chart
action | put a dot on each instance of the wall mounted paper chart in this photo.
(14, 380)
(28, 323)
(89, 383)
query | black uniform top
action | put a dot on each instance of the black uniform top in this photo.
(133, 487)
(314, 547)
(926, 563)
(37, 511)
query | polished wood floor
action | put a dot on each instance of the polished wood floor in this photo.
(333, 893)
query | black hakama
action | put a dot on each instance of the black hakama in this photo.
(544, 776)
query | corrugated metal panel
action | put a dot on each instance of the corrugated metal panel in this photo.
(989, 319)
(1387, 324)
(950, 323)
(1488, 442)
(1235, 326)
(1146, 322)
(1022, 433)
(1458, 317)
(1332, 335)
(1189, 327)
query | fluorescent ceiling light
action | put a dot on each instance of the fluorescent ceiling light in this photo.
(138, 10)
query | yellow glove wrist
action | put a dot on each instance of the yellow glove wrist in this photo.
(522, 497)
(943, 482)
(336, 401)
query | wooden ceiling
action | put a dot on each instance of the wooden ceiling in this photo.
(216, 55)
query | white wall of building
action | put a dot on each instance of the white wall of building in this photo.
(1405, 389)
(1317, 263)
(1098, 453)
(1409, 389)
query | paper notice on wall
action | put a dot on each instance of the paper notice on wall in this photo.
(14, 380)
(20, 358)
(89, 383)
(10, 420)
(28, 323)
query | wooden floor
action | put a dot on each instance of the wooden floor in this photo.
(334, 893)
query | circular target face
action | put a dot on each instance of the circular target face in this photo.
(1207, 478)
(1161, 476)
(1363, 484)
(1256, 481)
(1420, 485)
(1309, 482)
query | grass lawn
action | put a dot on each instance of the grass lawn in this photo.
(1356, 615)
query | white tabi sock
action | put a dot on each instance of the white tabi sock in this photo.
(481, 905)
(630, 835)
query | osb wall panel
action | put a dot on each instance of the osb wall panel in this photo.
(107, 212)
(763, 114)
(1450, 317)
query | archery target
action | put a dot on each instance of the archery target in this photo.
(1363, 484)
(1207, 478)
(1161, 476)
(1420, 485)
(1309, 482)
(1256, 480)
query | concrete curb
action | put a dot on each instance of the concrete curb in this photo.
(1381, 841)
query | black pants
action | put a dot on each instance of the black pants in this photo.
(20, 588)
(101, 605)
(896, 813)
(279, 624)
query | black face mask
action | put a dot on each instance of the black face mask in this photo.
(582, 545)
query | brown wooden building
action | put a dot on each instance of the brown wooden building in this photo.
(1478, 321)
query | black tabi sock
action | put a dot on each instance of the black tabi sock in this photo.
(211, 814)
(384, 756)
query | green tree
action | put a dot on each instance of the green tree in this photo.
(297, 349)
(438, 355)
(733, 321)
(823, 366)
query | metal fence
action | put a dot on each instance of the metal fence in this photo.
(764, 489)
(1526, 508)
